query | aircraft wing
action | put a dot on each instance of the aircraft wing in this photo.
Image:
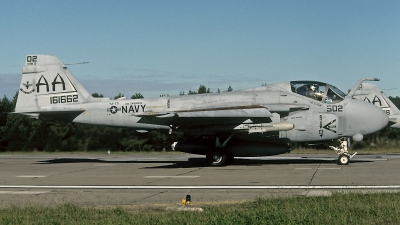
(283, 108)
(242, 112)
(199, 117)
(219, 116)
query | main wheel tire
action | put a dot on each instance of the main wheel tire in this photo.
(343, 159)
(216, 158)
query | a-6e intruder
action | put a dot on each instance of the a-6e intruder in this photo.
(259, 121)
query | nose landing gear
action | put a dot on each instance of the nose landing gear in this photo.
(344, 156)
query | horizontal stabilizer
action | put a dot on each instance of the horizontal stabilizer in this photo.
(397, 125)
(65, 115)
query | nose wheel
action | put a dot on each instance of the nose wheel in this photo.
(343, 159)
(344, 156)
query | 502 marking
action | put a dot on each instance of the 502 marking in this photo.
(334, 108)
(63, 99)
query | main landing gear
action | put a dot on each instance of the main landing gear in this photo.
(217, 156)
(344, 156)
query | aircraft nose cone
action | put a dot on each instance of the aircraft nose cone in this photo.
(366, 118)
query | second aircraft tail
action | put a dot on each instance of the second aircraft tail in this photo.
(373, 94)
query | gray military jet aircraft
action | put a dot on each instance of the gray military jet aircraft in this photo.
(259, 121)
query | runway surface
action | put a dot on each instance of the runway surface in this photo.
(138, 179)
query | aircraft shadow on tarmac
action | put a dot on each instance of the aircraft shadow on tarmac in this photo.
(201, 162)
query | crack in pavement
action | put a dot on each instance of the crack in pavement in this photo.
(312, 178)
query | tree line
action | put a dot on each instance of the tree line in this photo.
(21, 133)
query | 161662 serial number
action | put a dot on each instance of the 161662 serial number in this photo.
(63, 99)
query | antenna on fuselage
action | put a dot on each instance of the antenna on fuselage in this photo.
(67, 64)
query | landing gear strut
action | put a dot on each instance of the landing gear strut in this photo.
(344, 156)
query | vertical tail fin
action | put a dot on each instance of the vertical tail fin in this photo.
(373, 94)
(47, 84)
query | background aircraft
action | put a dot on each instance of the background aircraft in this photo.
(373, 94)
(259, 121)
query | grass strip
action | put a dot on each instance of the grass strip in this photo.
(340, 208)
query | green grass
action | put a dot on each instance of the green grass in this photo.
(353, 208)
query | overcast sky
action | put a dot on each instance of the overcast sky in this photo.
(165, 47)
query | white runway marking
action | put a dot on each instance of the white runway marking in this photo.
(171, 176)
(208, 187)
(333, 168)
(31, 176)
(23, 192)
(104, 164)
(321, 168)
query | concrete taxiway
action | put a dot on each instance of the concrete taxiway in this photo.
(137, 179)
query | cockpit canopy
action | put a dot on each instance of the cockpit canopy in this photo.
(318, 91)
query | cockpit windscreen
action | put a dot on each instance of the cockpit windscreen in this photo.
(318, 91)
